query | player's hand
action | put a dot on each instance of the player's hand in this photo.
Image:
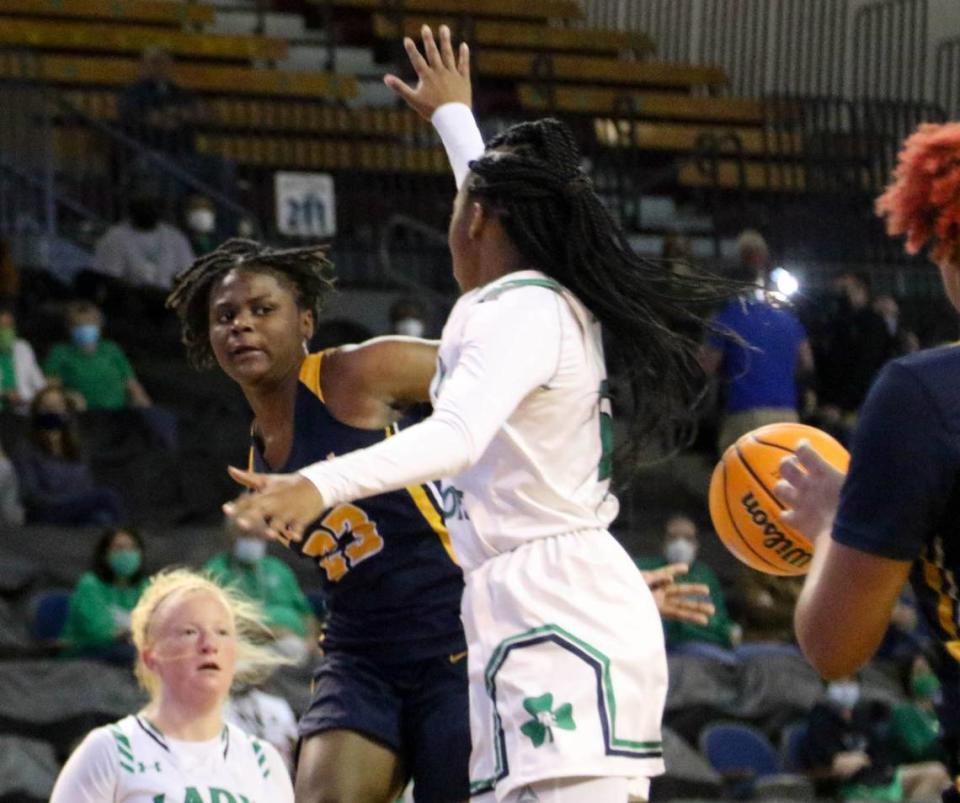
(810, 487)
(279, 508)
(682, 602)
(442, 77)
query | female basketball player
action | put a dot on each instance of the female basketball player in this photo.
(897, 516)
(566, 660)
(191, 636)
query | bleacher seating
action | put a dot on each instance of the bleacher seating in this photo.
(529, 9)
(157, 12)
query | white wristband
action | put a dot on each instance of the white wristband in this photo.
(461, 137)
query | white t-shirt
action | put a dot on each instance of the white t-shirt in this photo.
(130, 761)
(143, 258)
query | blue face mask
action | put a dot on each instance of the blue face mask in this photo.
(85, 334)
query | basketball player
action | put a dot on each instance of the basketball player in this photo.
(566, 659)
(896, 516)
(190, 637)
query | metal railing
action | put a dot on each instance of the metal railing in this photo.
(890, 50)
(946, 82)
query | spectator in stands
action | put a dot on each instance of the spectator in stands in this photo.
(272, 584)
(201, 224)
(142, 251)
(856, 346)
(408, 317)
(56, 483)
(759, 349)
(681, 545)
(845, 748)
(11, 511)
(98, 619)
(763, 606)
(900, 340)
(158, 112)
(915, 727)
(20, 375)
(192, 639)
(94, 371)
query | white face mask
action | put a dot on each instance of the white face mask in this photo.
(411, 327)
(844, 693)
(249, 550)
(202, 220)
(680, 550)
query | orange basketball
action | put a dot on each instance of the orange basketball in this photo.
(746, 512)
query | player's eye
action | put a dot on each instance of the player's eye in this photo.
(263, 310)
(225, 317)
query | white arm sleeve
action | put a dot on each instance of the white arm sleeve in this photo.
(461, 137)
(511, 346)
(90, 774)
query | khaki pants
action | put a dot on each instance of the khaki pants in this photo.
(737, 424)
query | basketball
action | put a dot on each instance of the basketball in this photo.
(744, 509)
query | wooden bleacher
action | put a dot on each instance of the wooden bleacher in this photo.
(685, 138)
(147, 12)
(514, 34)
(507, 9)
(91, 71)
(101, 35)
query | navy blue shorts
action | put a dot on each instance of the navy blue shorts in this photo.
(419, 709)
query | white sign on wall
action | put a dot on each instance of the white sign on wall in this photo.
(306, 204)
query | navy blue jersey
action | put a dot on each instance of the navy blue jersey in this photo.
(392, 584)
(901, 499)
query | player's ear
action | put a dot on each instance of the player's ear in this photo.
(478, 219)
(307, 324)
(146, 655)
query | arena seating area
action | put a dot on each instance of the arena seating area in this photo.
(673, 145)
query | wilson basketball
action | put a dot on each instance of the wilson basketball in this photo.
(744, 509)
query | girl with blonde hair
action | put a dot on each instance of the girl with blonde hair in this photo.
(193, 640)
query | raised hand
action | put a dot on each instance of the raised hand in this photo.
(442, 77)
(810, 487)
(279, 508)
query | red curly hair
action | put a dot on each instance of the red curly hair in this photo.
(923, 200)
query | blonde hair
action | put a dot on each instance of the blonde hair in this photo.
(255, 659)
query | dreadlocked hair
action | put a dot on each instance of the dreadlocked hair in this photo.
(307, 269)
(531, 178)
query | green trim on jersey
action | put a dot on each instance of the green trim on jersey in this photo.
(261, 758)
(124, 749)
(495, 292)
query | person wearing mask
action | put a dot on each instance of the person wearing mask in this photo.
(272, 584)
(20, 375)
(915, 726)
(201, 220)
(56, 483)
(142, 251)
(681, 545)
(98, 618)
(94, 371)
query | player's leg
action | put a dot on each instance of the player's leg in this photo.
(342, 766)
(350, 735)
(436, 731)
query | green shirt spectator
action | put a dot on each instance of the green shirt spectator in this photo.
(914, 726)
(98, 617)
(100, 376)
(680, 545)
(270, 582)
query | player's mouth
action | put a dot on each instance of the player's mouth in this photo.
(209, 666)
(245, 351)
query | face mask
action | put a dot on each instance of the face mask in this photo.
(50, 421)
(844, 693)
(249, 550)
(680, 550)
(124, 562)
(85, 335)
(925, 685)
(411, 327)
(202, 221)
(7, 335)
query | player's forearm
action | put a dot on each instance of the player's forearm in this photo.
(461, 137)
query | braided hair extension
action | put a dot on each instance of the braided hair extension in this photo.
(530, 177)
(308, 270)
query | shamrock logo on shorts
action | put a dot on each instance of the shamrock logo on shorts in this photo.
(545, 717)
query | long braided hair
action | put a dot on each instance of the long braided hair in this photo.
(531, 178)
(308, 271)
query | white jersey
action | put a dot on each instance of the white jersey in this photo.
(518, 490)
(130, 761)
